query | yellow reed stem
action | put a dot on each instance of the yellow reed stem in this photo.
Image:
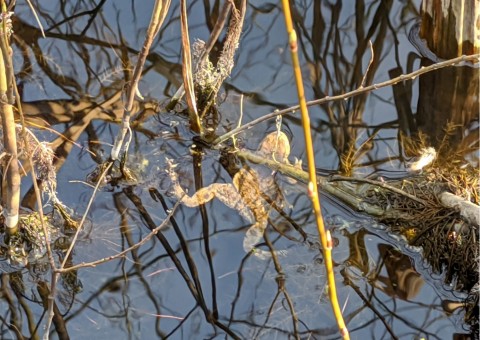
(325, 237)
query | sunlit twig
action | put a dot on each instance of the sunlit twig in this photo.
(364, 79)
(126, 251)
(324, 235)
(361, 90)
(36, 18)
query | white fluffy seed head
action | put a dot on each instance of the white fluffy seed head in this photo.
(427, 156)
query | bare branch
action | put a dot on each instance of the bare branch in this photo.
(361, 90)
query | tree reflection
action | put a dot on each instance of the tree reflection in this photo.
(72, 90)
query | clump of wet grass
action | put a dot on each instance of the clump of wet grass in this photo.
(448, 239)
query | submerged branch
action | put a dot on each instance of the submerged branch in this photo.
(334, 188)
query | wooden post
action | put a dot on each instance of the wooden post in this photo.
(450, 28)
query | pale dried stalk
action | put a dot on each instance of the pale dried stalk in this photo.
(12, 175)
(7, 89)
(187, 71)
(47, 173)
(158, 15)
(217, 29)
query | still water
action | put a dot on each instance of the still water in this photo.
(205, 286)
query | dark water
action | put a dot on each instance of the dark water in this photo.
(385, 288)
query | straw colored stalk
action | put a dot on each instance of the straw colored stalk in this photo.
(187, 71)
(11, 197)
(324, 235)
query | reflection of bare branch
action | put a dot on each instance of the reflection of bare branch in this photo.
(27, 37)
(193, 285)
(84, 217)
(281, 289)
(126, 251)
(58, 320)
(93, 13)
(79, 115)
(369, 304)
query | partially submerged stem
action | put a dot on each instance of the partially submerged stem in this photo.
(9, 94)
(12, 175)
(468, 210)
(333, 188)
(325, 237)
(158, 15)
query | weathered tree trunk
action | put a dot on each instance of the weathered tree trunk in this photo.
(450, 28)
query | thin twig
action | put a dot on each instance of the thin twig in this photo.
(126, 251)
(36, 18)
(379, 184)
(240, 118)
(361, 90)
(369, 64)
(84, 217)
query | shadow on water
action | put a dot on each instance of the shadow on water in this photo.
(193, 279)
